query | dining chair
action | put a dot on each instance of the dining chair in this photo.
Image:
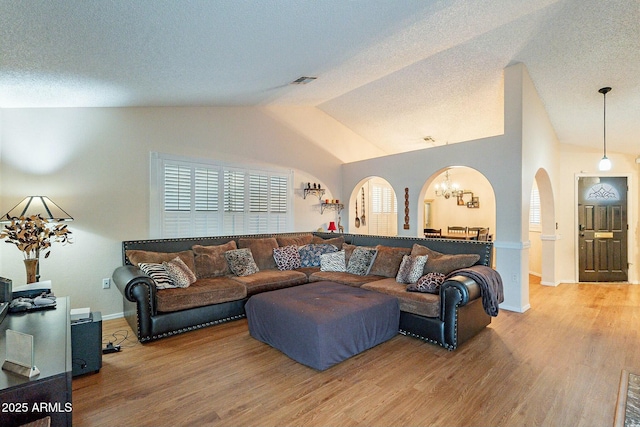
(457, 229)
(433, 232)
(483, 235)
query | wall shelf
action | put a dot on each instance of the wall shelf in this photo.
(331, 206)
(317, 191)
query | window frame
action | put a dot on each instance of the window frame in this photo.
(220, 222)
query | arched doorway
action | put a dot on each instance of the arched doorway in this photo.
(542, 229)
(459, 196)
(375, 205)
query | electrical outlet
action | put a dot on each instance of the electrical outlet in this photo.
(106, 283)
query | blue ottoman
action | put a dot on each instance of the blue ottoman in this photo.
(322, 323)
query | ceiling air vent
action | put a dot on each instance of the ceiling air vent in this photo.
(303, 80)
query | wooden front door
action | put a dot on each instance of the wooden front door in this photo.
(602, 228)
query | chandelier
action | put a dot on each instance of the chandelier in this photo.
(446, 188)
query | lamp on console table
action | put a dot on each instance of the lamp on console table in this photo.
(32, 225)
(332, 226)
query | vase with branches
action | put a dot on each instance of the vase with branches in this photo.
(33, 236)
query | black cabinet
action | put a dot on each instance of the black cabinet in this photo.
(24, 400)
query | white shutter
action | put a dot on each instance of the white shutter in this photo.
(177, 188)
(206, 190)
(534, 209)
(384, 207)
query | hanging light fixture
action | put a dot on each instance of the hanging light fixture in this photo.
(446, 188)
(605, 163)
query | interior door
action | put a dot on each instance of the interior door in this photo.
(602, 228)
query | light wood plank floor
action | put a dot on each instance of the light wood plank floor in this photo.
(558, 364)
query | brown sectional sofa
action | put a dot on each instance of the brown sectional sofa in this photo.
(448, 318)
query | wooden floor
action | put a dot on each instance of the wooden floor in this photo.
(558, 364)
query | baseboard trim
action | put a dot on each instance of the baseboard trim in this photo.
(113, 316)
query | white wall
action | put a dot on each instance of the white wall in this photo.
(94, 163)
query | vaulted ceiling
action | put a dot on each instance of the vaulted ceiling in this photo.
(394, 72)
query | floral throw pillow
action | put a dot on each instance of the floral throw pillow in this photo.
(429, 283)
(158, 273)
(334, 261)
(241, 262)
(361, 260)
(411, 268)
(179, 273)
(287, 257)
(310, 254)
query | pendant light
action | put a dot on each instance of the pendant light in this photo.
(605, 163)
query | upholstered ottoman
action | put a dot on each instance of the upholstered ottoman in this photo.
(322, 323)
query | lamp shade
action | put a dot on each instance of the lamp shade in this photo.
(332, 226)
(37, 205)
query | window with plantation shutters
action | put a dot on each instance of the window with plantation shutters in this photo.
(383, 220)
(534, 207)
(195, 198)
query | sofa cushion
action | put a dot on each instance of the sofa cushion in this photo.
(310, 254)
(203, 292)
(210, 260)
(444, 263)
(361, 260)
(343, 278)
(335, 241)
(429, 283)
(302, 240)
(179, 273)
(262, 250)
(411, 268)
(388, 260)
(333, 262)
(308, 271)
(287, 257)
(241, 262)
(427, 305)
(137, 256)
(158, 273)
(270, 280)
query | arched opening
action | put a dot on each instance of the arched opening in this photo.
(542, 229)
(459, 196)
(374, 204)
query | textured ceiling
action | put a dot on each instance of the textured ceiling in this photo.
(392, 71)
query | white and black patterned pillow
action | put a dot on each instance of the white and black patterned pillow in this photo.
(361, 260)
(334, 261)
(429, 283)
(287, 257)
(411, 268)
(241, 262)
(158, 274)
(179, 273)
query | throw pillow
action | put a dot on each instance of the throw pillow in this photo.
(333, 261)
(241, 262)
(411, 268)
(310, 254)
(158, 274)
(304, 239)
(429, 283)
(210, 260)
(287, 258)
(361, 260)
(179, 273)
(136, 256)
(444, 263)
(388, 260)
(261, 250)
(335, 241)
